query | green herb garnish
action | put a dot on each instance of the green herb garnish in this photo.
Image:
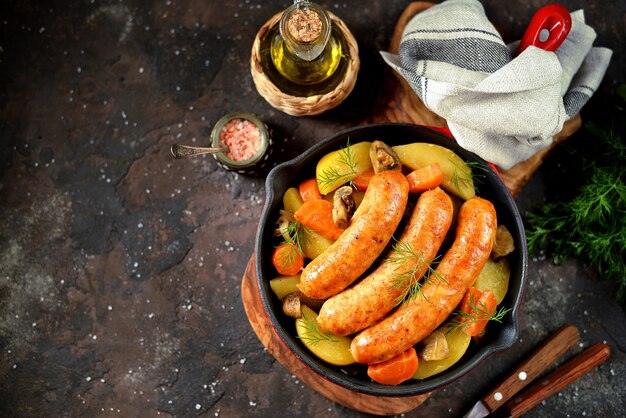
(298, 234)
(408, 281)
(294, 234)
(590, 223)
(467, 174)
(314, 334)
(478, 312)
(327, 178)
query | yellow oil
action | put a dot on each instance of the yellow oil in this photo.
(301, 71)
(298, 77)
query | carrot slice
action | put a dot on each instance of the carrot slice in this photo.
(309, 190)
(288, 259)
(425, 178)
(477, 308)
(363, 180)
(395, 370)
(318, 216)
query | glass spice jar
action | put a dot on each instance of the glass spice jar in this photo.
(248, 141)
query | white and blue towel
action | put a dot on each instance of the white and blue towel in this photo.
(501, 107)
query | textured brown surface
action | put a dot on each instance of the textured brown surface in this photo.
(121, 268)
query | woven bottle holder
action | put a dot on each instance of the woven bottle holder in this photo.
(304, 105)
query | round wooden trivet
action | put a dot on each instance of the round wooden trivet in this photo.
(375, 405)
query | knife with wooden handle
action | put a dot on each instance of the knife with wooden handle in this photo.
(558, 379)
(551, 350)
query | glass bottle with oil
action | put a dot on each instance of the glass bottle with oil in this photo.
(305, 53)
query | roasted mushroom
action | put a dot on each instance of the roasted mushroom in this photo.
(383, 157)
(343, 206)
(504, 243)
(292, 305)
(283, 222)
(435, 347)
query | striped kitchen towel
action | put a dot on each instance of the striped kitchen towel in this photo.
(500, 107)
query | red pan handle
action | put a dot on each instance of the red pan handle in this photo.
(553, 18)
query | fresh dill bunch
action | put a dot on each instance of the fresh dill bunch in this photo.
(591, 224)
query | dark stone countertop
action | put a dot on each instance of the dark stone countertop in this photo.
(121, 268)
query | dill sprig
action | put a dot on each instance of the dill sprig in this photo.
(590, 223)
(295, 235)
(331, 175)
(298, 234)
(314, 334)
(468, 173)
(408, 281)
(478, 312)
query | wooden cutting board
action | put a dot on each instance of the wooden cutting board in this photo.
(398, 103)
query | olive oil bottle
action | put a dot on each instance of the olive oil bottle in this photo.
(305, 54)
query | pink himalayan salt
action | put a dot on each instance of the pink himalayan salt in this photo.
(242, 137)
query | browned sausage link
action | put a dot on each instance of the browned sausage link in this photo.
(376, 295)
(370, 230)
(457, 271)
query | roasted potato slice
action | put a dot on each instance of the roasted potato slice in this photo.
(339, 167)
(330, 348)
(457, 175)
(495, 277)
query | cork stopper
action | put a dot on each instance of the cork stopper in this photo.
(304, 25)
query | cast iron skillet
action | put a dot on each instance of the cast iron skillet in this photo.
(499, 336)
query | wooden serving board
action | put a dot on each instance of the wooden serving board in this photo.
(375, 405)
(398, 103)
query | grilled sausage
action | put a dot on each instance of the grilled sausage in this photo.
(456, 272)
(370, 230)
(376, 295)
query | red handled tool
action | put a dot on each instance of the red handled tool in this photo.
(548, 29)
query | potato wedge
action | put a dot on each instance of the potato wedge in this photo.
(328, 347)
(457, 175)
(339, 167)
(458, 341)
(495, 277)
(314, 244)
(284, 285)
(292, 200)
